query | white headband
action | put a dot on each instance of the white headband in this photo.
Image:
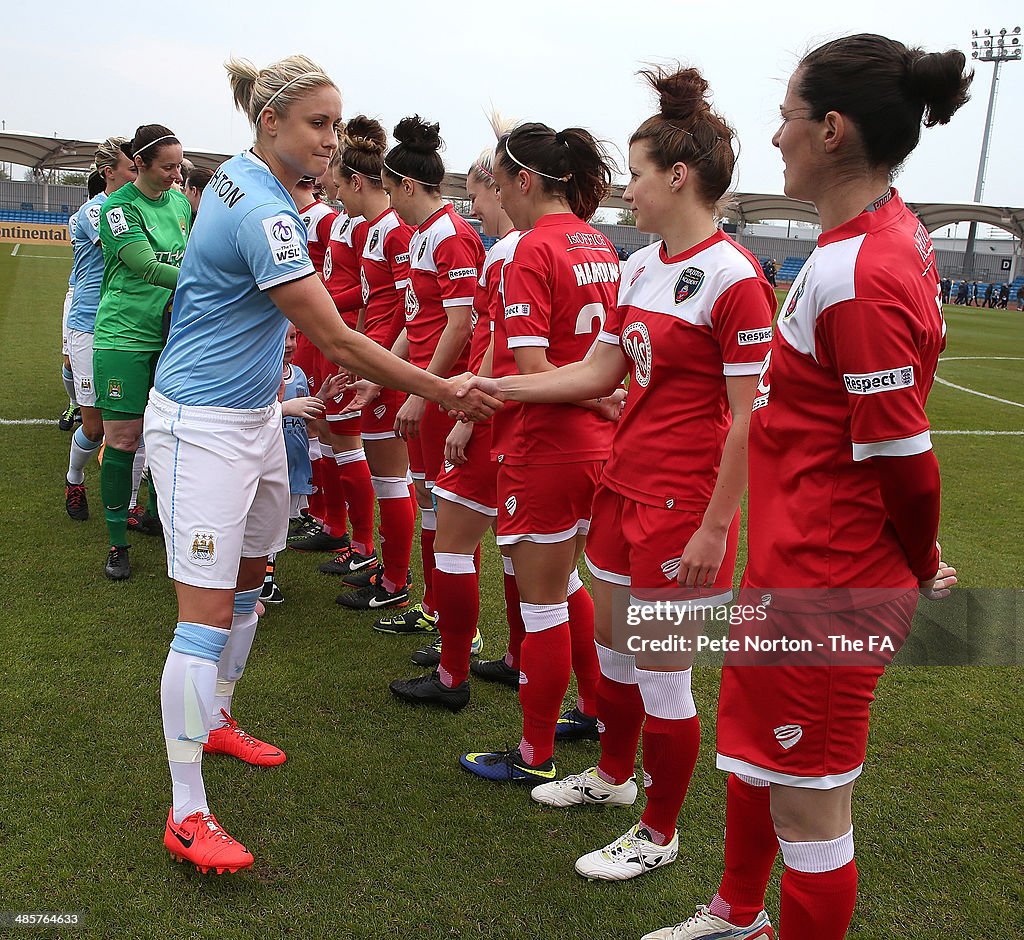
(405, 176)
(287, 85)
(557, 179)
(352, 169)
(150, 144)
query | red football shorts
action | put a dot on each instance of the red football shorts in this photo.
(636, 545)
(549, 503)
(806, 725)
(378, 422)
(473, 484)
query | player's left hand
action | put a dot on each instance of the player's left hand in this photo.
(702, 557)
(455, 445)
(407, 421)
(941, 584)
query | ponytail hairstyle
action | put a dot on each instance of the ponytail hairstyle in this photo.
(363, 146)
(277, 87)
(482, 168)
(886, 89)
(109, 153)
(686, 130)
(570, 163)
(148, 141)
(416, 155)
(96, 183)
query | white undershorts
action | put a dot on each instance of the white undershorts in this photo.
(64, 321)
(221, 475)
(79, 351)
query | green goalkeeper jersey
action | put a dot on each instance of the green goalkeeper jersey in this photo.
(130, 314)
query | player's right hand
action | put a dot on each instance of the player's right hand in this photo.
(366, 391)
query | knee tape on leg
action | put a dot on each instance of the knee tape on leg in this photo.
(619, 667)
(390, 487)
(454, 564)
(428, 520)
(667, 694)
(575, 583)
(506, 563)
(540, 617)
(817, 857)
(350, 456)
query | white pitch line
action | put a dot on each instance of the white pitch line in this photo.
(984, 433)
(973, 358)
(971, 391)
(44, 257)
(14, 250)
(30, 421)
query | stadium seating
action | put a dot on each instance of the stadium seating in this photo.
(789, 269)
(29, 215)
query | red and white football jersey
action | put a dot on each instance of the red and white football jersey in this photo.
(384, 276)
(445, 257)
(559, 285)
(318, 218)
(685, 323)
(341, 265)
(852, 361)
(488, 303)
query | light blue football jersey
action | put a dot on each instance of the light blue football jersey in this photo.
(226, 341)
(87, 269)
(296, 437)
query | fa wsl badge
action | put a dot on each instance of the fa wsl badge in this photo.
(689, 283)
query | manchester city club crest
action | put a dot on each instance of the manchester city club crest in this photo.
(688, 284)
(203, 548)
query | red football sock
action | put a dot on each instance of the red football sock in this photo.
(397, 525)
(670, 748)
(335, 516)
(545, 663)
(428, 518)
(621, 710)
(818, 905)
(516, 630)
(750, 849)
(457, 595)
(354, 476)
(584, 653)
(315, 502)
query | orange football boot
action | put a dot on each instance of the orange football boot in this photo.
(199, 839)
(230, 739)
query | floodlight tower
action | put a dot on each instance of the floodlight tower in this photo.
(996, 46)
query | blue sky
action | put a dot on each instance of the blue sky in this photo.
(563, 63)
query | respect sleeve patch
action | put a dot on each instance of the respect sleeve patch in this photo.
(871, 383)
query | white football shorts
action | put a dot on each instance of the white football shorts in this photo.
(221, 476)
(79, 351)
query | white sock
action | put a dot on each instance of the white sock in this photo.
(232, 663)
(137, 467)
(186, 698)
(81, 450)
(69, 384)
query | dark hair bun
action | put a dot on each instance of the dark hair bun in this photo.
(938, 79)
(682, 94)
(418, 136)
(365, 134)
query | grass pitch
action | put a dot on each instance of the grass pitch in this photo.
(370, 829)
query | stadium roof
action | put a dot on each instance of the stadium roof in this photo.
(55, 153)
